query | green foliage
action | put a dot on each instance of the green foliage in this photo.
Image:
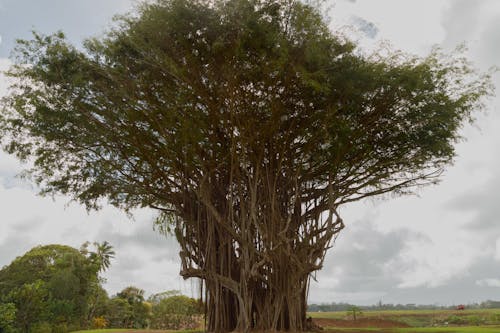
(39, 263)
(156, 298)
(456, 320)
(246, 123)
(99, 322)
(55, 285)
(41, 327)
(475, 320)
(129, 309)
(354, 312)
(102, 255)
(7, 317)
(119, 313)
(176, 312)
(119, 117)
(132, 295)
(60, 328)
(31, 301)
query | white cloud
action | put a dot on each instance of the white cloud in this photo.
(497, 250)
(489, 283)
(424, 246)
(413, 26)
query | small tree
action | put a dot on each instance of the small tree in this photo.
(99, 322)
(139, 309)
(354, 312)
(119, 314)
(247, 124)
(176, 312)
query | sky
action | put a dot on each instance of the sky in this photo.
(440, 246)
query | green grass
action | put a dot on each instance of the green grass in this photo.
(467, 329)
(131, 330)
(426, 318)
(388, 313)
(107, 330)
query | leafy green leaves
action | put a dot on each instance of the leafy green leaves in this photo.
(246, 123)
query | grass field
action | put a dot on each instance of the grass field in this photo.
(342, 314)
(122, 330)
(394, 321)
(412, 321)
(468, 329)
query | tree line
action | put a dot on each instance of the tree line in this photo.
(57, 289)
(342, 306)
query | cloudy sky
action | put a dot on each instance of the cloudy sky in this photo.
(442, 246)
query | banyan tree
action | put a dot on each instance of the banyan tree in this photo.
(247, 124)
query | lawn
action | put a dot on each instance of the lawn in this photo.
(394, 321)
(130, 330)
(467, 329)
(108, 330)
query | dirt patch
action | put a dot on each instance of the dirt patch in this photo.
(361, 323)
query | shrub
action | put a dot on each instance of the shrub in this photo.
(73, 327)
(455, 320)
(475, 320)
(60, 328)
(42, 327)
(176, 312)
(99, 322)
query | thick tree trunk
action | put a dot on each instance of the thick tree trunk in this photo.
(254, 255)
(262, 310)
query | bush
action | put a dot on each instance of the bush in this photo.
(60, 328)
(42, 327)
(494, 318)
(455, 320)
(475, 320)
(99, 322)
(73, 327)
(176, 312)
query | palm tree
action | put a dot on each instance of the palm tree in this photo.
(103, 255)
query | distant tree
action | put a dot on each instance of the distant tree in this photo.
(354, 312)
(68, 279)
(156, 298)
(102, 255)
(176, 312)
(247, 124)
(119, 314)
(132, 294)
(97, 302)
(39, 263)
(139, 309)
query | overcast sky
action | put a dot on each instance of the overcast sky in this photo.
(442, 246)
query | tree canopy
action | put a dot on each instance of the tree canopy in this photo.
(52, 285)
(247, 124)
